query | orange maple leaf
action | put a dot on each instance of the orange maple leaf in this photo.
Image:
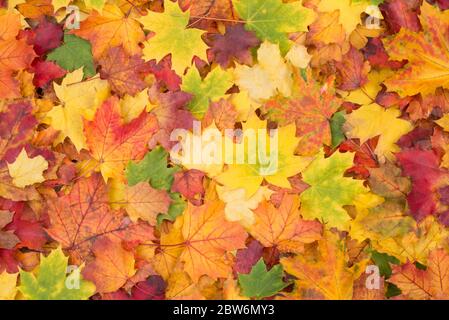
(113, 143)
(83, 215)
(283, 227)
(109, 29)
(15, 55)
(432, 283)
(112, 267)
(200, 241)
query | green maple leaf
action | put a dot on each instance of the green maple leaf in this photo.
(260, 283)
(52, 279)
(173, 37)
(176, 208)
(336, 123)
(272, 20)
(153, 169)
(383, 261)
(74, 54)
(211, 89)
(329, 190)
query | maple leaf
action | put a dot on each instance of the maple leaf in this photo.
(211, 89)
(248, 257)
(373, 120)
(426, 53)
(112, 266)
(416, 244)
(152, 169)
(79, 99)
(234, 45)
(200, 240)
(73, 54)
(26, 171)
(260, 283)
(171, 114)
(401, 14)
(109, 29)
(427, 176)
(52, 279)
(431, 283)
(353, 70)
(15, 55)
(349, 11)
(310, 107)
(267, 77)
(238, 206)
(45, 72)
(8, 284)
(380, 221)
(299, 56)
(325, 276)
(282, 227)
(173, 37)
(7, 238)
(46, 36)
(83, 215)
(16, 129)
(272, 20)
(124, 73)
(35, 9)
(250, 176)
(222, 113)
(140, 201)
(329, 190)
(190, 185)
(208, 8)
(112, 143)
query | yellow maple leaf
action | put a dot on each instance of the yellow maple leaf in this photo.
(416, 244)
(298, 56)
(367, 93)
(325, 276)
(26, 171)
(444, 122)
(79, 100)
(238, 206)
(8, 283)
(173, 37)
(276, 170)
(200, 241)
(270, 75)
(132, 106)
(349, 11)
(372, 120)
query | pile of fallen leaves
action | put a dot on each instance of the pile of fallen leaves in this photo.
(92, 205)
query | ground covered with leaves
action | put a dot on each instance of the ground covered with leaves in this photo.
(93, 205)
